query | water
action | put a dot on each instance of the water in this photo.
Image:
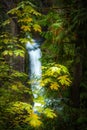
(34, 53)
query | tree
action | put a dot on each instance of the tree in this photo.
(66, 40)
(16, 97)
(20, 21)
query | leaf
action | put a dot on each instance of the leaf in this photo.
(54, 86)
(18, 107)
(23, 40)
(64, 80)
(6, 41)
(34, 120)
(5, 52)
(26, 28)
(19, 52)
(35, 12)
(13, 11)
(37, 27)
(8, 52)
(25, 20)
(57, 25)
(6, 22)
(49, 113)
(55, 69)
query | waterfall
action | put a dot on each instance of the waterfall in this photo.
(34, 53)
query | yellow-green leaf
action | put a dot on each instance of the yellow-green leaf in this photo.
(26, 28)
(54, 86)
(64, 80)
(37, 27)
(34, 120)
(49, 113)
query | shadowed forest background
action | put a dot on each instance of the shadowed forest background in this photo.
(60, 28)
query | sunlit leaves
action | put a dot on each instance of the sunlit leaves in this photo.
(25, 28)
(11, 46)
(20, 108)
(64, 80)
(49, 113)
(8, 39)
(26, 15)
(54, 86)
(55, 77)
(7, 52)
(37, 27)
(34, 120)
(18, 87)
(23, 40)
(13, 11)
(35, 12)
(25, 20)
(21, 112)
(16, 74)
(17, 52)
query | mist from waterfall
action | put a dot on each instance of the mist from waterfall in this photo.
(35, 73)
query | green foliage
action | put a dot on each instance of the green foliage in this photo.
(66, 26)
(49, 113)
(55, 77)
(35, 120)
(26, 15)
(16, 97)
(59, 39)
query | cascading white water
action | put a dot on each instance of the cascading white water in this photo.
(35, 70)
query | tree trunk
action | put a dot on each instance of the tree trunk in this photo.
(77, 77)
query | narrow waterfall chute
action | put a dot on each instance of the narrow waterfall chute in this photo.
(34, 53)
